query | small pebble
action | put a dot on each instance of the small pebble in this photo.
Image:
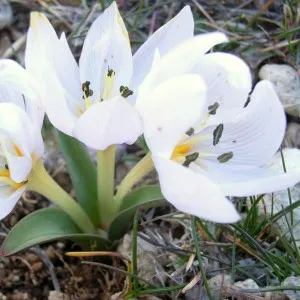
(247, 284)
(215, 283)
(36, 267)
(287, 85)
(6, 14)
(292, 136)
(292, 281)
(54, 295)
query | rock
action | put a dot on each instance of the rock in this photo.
(247, 284)
(292, 136)
(272, 205)
(149, 263)
(6, 14)
(287, 84)
(215, 284)
(2, 297)
(292, 281)
(54, 295)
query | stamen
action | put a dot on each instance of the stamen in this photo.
(190, 158)
(87, 92)
(225, 157)
(190, 132)
(86, 89)
(212, 109)
(217, 134)
(110, 72)
(125, 91)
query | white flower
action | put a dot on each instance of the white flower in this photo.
(21, 145)
(210, 146)
(92, 101)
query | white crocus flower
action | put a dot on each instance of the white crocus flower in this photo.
(89, 101)
(21, 145)
(200, 160)
(203, 155)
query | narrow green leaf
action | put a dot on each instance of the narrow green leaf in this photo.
(83, 174)
(46, 225)
(144, 197)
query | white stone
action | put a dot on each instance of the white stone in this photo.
(247, 284)
(6, 14)
(149, 260)
(215, 284)
(291, 281)
(292, 136)
(54, 295)
(287, 84)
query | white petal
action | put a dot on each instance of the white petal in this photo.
(181, 59)
(106, 47)
(170, 110)
(57, 108)
(228, 79)
(67, 71)
(243, 181)
(18, 140)
(45, 52)
(252, 134)
(178, 29)
(8, 199)
(17, 86)
(193, 193)
(107, 123)
(108, 20)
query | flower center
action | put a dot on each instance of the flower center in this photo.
(5, 177)
(4, 169)
(181, 150)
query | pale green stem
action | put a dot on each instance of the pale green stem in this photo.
(106, 185)
(138, 172)
(41, 182)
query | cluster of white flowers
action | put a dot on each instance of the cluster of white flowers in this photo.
(208, 139)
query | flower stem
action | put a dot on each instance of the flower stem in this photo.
(106, 185)
(140, 170)
(41, 182)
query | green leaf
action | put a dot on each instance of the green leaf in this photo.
(46, 225)
(83, 174)
(144, 197)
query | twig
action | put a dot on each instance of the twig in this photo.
(205, 13)
(15, 47)
(118, 270)
(279, 45)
